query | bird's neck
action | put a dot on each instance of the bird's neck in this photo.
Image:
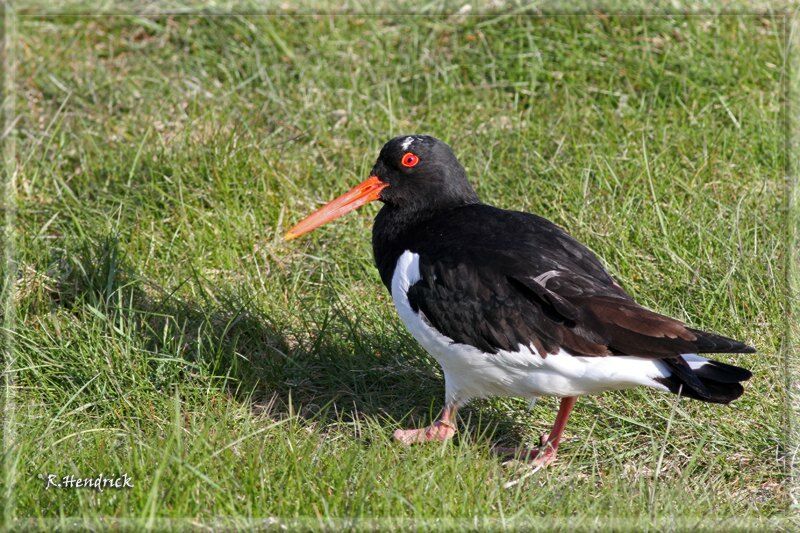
(394, 232)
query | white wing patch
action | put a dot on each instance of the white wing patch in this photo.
(407, 142)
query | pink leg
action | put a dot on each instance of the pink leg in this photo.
(546, 452)
(441, 430)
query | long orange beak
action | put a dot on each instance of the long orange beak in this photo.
(361, 194)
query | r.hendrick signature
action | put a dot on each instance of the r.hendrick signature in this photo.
(98, 483)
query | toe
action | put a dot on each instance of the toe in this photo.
(544, 459)
(405, 436)
(436, 432)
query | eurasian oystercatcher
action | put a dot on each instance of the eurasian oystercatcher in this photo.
(509, 304)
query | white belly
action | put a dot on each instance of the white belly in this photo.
(472, 373)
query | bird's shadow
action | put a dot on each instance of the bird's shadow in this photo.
(328, 371)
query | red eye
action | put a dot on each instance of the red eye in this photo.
(409, 160)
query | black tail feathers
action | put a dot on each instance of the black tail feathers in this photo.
(713, 382)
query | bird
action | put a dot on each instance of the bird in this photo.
(510, 305)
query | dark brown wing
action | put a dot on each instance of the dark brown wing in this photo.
(539, 287)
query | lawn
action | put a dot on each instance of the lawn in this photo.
(163, 328)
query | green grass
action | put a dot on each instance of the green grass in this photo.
(166, 331)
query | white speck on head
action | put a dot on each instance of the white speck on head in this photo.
(407, 142)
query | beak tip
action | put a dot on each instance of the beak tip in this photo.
(290, 236)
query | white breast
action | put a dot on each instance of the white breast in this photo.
(472, 373)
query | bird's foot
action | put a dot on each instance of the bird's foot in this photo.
(438, 431)
(538, 457)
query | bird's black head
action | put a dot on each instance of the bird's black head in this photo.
(421, 171)
(413, 173)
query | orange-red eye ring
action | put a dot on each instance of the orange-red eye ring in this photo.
(409, 160)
